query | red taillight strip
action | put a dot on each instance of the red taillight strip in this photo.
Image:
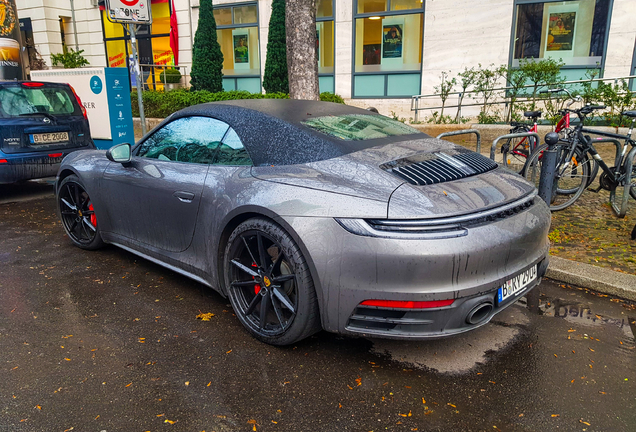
(79, 101)
(32, 84)
(408, 304)
(55, 155)
(3, 161)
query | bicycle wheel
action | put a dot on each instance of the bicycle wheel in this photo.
(516, 151)
(632, 191)
(569, 182)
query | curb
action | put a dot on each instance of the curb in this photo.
(592, 277)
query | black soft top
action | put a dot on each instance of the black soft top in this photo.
(273, 133)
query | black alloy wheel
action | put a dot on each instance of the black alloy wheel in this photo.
(77, 214)
(269, 283)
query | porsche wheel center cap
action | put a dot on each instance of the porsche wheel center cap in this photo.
(79, 213)
(266, 281)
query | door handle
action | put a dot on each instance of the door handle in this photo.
(184, 196)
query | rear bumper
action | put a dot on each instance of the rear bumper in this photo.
(27, 167)
(349, 269)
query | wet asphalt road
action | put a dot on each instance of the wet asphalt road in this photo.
(105, 341)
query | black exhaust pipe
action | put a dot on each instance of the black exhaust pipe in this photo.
(479, 313)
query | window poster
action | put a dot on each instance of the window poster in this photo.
(392, 40)
(561, 30)
(240, 39)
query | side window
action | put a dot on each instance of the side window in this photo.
(188, 139)
(231, 151)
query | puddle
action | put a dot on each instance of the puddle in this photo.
(457, 354)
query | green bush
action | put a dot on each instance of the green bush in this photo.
(160, 104)
(331, 97)
(170, 76)
(69, 59)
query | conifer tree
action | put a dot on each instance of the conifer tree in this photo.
(207, 58)
(275, 79)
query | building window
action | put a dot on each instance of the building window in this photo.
(573, 31)
(325, 46)
(237, 33)
(388, 48)
(153, 44)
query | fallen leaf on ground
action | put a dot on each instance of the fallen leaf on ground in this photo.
(555, 415)
(585, 423)
(170, 421)
(205, 316)
(450, 404)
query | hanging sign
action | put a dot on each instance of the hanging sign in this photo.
(129, 11)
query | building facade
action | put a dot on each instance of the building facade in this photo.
(371, 52)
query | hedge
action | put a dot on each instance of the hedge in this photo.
(159, 104)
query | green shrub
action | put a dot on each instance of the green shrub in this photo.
(207, 58)
(170, 76)
(276, 78)
(69, 59)
(160, 104)
(331, 97)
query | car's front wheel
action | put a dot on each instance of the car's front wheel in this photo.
(77, 214)
(269, 283)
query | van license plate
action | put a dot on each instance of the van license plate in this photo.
(515, 285)
(48, 138)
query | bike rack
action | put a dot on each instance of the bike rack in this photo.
(629, 164)
(616, 142)
(513, 135)
(462, 132)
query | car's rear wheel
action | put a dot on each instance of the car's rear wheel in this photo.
(77, 214)
(269, 283)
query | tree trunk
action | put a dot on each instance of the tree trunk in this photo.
(302, 62)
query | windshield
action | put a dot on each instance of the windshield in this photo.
(19, 100)
(353, 127)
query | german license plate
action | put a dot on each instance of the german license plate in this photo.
(48, 138)
(514, 286)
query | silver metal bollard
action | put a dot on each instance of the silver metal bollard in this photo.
(548, 168)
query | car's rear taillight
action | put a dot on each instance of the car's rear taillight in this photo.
(408, 304)
(32, 84)
(79, 101)
(3, 161)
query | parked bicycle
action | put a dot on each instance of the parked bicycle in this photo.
(575, 153)
(515, 151)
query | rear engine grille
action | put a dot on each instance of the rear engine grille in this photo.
(440, 167)
(453, 223)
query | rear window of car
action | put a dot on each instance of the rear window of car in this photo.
(20, 100)
(355, 127)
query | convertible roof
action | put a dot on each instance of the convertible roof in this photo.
(273, 133)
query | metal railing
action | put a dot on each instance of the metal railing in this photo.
(153, 72)
(463, 132)
(502, 99)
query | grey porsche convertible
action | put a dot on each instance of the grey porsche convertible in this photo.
(312, 215)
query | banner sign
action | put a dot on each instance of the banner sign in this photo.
(129, 11)
(10, 63)
(105, 93)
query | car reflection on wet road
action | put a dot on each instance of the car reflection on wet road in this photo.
(107, 341)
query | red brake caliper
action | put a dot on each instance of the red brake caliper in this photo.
(93, 217)
(257, 287)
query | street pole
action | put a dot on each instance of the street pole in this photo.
(548, 168)
(140, 101)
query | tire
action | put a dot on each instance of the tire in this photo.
(632, 191)
(77, 214)
(570, 185)
(265, 270)
(515, 152)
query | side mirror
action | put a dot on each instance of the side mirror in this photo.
(119, 153)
